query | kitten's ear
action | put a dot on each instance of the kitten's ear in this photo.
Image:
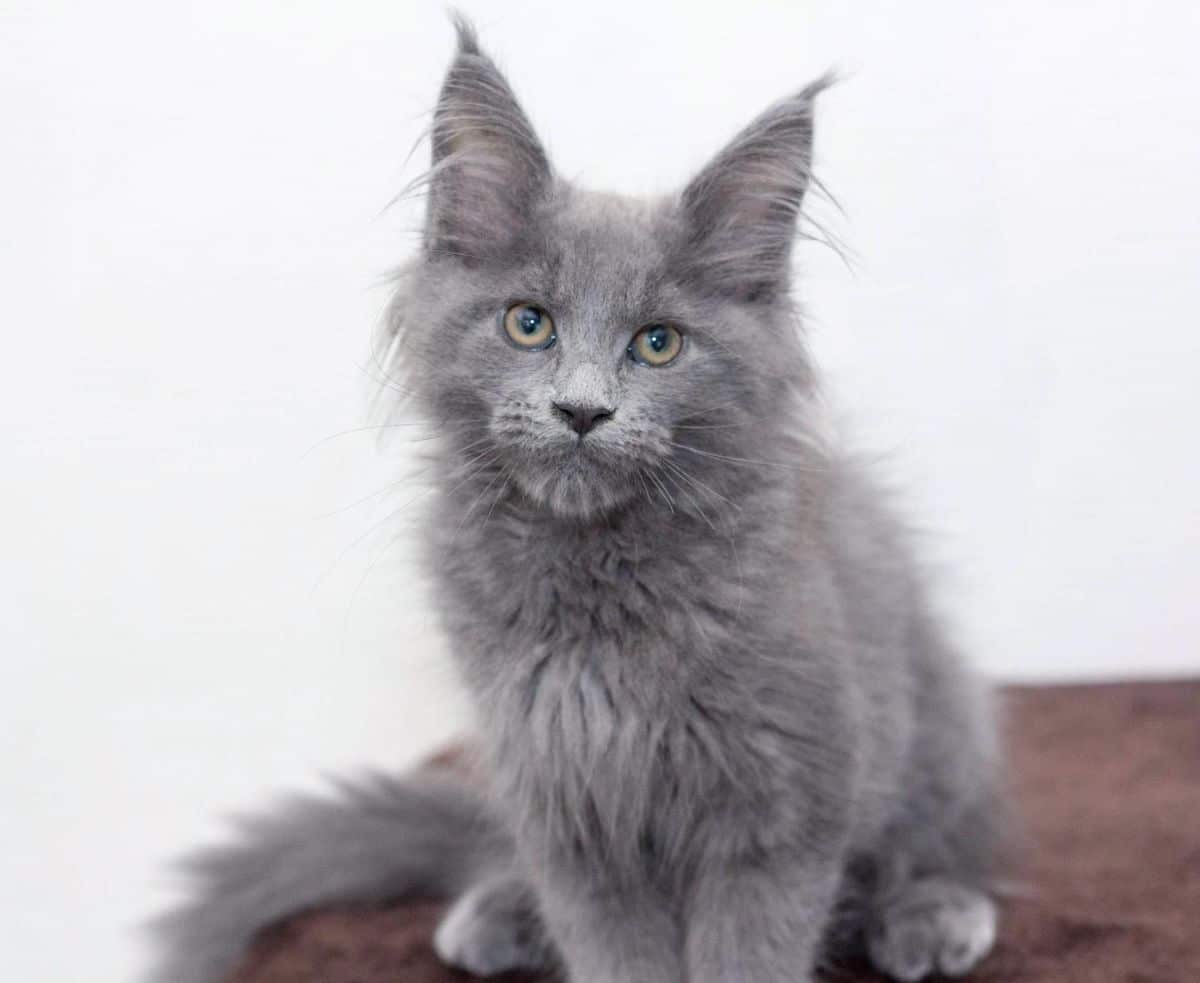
(488, 167)
(740, 213)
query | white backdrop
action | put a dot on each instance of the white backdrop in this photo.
(195, 234)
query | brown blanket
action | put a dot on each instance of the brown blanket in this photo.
(1108, 779)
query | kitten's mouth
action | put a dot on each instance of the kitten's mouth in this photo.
(579, 481)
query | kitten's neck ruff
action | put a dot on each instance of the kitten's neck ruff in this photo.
(672, 582)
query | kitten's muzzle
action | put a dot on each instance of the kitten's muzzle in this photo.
(582, 418)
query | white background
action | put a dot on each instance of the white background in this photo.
(195, 234)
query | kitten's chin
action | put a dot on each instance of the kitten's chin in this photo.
(577, 492)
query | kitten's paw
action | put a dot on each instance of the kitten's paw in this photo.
(494, 928)
(931, 926)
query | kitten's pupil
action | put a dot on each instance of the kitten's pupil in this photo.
(657, 338)
(530, 320)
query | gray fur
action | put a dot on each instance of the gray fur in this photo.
(722, 722)
(379, 839)
(495, 927)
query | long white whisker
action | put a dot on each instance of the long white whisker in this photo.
(742, 460)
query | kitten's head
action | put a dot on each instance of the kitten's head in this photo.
(593, 349)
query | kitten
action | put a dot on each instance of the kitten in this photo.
(725, 734)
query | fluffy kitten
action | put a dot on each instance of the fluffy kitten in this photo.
(724, 731)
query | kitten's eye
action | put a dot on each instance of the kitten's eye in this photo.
(656, 345)
(529, 327)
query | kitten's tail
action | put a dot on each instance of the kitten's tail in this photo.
(427, 835)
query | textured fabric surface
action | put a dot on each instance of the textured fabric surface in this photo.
(1108, 782)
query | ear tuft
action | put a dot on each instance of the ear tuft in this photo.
(468, 38)
(741, 211)
(489, 168)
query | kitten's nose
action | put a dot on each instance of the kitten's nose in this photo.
(581, 419)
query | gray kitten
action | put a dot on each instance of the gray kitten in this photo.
(725, 735)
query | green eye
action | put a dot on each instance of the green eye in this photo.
(529, 327)
(656, 345)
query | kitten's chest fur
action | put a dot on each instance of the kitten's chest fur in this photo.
(630, 601)
(596, 623)
(590, 653)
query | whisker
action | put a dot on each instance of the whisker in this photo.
(392, 542)
(730, 536)
(499, 495)
(475, 502)
(717, 426)
(697, 483)
(376, 427)
(743, 460)
(375, 494)
(692, 498)
(702, 411)
(387, 518)
(662, 489)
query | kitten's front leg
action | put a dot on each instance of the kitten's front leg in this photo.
(606, 934)
(759, 919)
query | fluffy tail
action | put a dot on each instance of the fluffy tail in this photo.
(378, 840)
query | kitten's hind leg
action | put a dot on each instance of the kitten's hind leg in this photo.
(928, 926)
(493, 928)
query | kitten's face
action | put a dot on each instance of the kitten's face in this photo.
(590, 349)
(589, 372)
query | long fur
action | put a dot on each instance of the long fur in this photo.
(724, 725)
(375, 840)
